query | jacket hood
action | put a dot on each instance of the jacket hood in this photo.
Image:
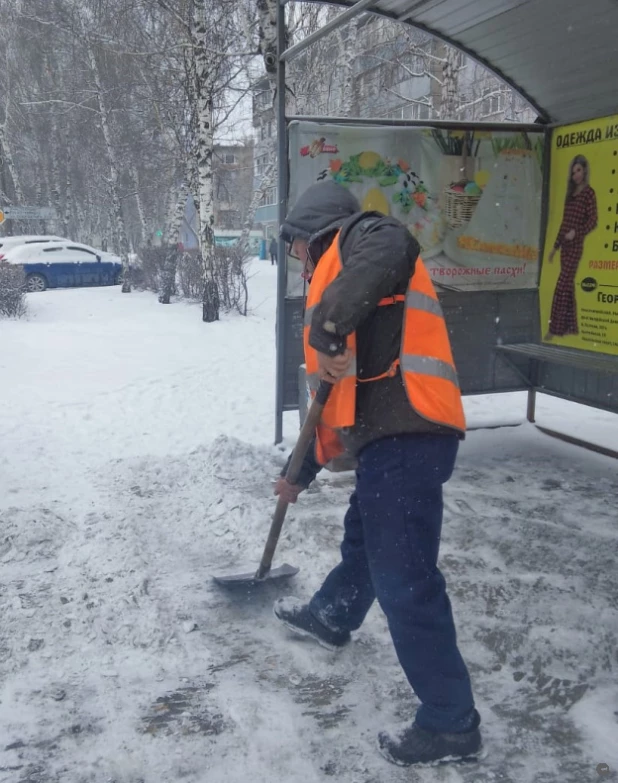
(323, 207)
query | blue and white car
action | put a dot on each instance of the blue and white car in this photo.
(64, 264)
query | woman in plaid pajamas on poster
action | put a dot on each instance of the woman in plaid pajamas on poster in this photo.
(578, 220)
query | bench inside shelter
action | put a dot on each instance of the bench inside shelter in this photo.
(572, 374)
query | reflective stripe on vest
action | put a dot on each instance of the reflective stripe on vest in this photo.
(427, 365)
(419, 301)
(425, 359)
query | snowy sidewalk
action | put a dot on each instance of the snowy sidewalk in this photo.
(135, 460)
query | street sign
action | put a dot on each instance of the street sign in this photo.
(29, 213)
(1, 217)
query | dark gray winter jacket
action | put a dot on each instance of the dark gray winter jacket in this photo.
(378, 256)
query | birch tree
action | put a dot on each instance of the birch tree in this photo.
(347, 42)
(205, 73)
(168, 276)
(450, 82)
(211, 37)
(106, 127)
(12, 185)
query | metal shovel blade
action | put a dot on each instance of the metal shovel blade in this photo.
(283, 571)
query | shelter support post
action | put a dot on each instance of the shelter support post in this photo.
(282, 192)
(531, 410)
(534, 380)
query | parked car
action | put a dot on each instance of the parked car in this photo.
(10, 243)
(65, 264)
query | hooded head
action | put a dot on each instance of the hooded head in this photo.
(319, 212)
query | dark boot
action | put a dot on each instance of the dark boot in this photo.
(417, 746)
(296, 616)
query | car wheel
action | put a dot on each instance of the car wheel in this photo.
(35, 283)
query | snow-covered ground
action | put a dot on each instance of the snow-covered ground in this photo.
(136, 459)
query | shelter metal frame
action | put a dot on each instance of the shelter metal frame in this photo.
(545, 123)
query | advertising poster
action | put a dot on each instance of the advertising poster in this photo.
(471, 198)
(579, 280)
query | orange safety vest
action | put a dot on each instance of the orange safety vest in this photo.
(425, 358)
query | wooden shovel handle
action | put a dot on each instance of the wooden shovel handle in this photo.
(305, 437)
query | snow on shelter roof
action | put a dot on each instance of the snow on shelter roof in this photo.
(559, 54)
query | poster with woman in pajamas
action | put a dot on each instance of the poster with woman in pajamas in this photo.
(578, 220)
(578, 293)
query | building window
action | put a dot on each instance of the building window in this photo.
(269, 198)
(493, 104)
(418, 64)
(229, 218)
(263, 99)
(266, 130)
(222, 193)
(226, 158)
(417, 111)
(424, 111)
(261, 164)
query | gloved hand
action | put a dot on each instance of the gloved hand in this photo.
(288, 492)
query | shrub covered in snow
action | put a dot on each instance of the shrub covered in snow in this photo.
(12, 291)
(230, 274)
(146, 273)
(170, 271)
(190, 275)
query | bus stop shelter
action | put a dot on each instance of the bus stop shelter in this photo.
(558, 55)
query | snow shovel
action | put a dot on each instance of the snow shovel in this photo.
(265, 572)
